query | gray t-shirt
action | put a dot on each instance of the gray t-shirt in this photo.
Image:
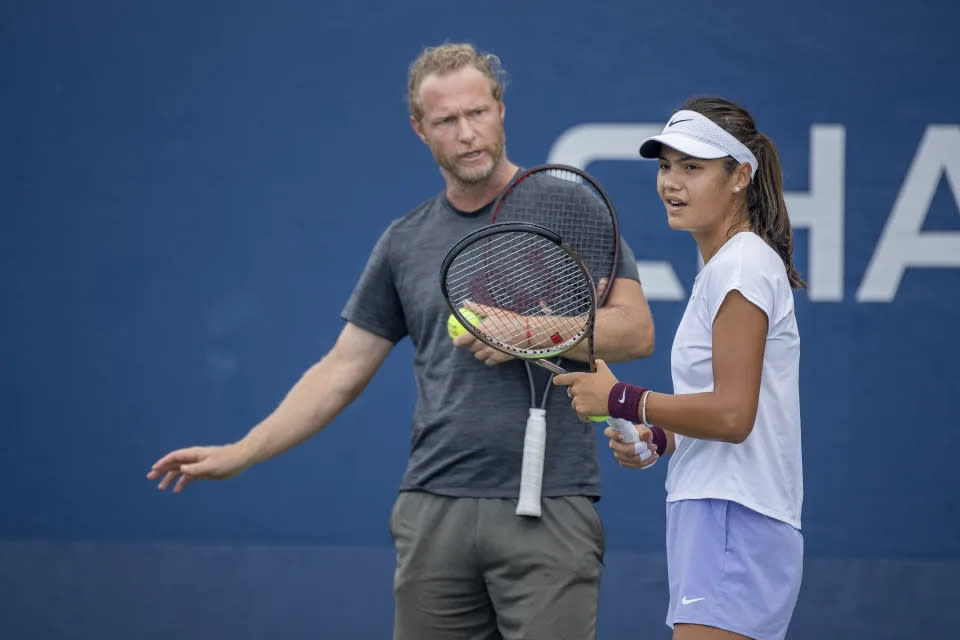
(469, 421)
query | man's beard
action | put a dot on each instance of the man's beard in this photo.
(469, 176)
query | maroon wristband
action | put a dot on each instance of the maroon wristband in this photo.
(659, 439)
(624, 401)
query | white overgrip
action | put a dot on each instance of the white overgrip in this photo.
(630, 435)
(531, 471)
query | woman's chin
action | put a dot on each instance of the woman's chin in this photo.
(677, 222)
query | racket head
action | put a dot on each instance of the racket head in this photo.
(570, 202)
(538, 298)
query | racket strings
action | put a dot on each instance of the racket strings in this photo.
(571, 206)
(520, 262)
(534, 293)
(510, 269)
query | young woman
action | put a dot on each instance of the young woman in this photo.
(732, 423)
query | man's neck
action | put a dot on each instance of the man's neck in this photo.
(470, 197)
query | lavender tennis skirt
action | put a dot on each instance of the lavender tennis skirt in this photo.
(732, 568)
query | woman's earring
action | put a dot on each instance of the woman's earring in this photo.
(736, 189)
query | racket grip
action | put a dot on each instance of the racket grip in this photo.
(630, 435)
(531, 471)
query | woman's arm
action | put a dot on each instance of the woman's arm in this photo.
(728, 412)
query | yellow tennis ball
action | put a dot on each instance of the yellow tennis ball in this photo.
(454, 328)
(599, 418)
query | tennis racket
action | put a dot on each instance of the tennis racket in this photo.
(539, 301)
(573, 204)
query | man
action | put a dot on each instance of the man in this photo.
(468, 567)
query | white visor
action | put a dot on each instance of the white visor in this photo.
(699, 137)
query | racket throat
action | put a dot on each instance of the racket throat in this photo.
(550, 366)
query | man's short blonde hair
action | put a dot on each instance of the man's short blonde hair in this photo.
(449, 57)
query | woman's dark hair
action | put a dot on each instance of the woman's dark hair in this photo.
(766, 208)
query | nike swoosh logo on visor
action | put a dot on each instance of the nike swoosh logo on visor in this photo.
(679, 121)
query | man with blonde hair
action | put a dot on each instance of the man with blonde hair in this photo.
(467, 566)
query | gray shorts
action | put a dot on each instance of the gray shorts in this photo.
(732, 568)
(471, 569)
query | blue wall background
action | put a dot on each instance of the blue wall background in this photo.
(189, 191)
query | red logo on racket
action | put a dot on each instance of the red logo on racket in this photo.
(556, 339)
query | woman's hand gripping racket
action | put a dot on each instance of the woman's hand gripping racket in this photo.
(539, 301)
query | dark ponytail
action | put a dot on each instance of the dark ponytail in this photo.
(766, 207)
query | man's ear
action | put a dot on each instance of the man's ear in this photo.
(418, 129)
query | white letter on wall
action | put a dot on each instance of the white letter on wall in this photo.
(902, 242)
(821, 210)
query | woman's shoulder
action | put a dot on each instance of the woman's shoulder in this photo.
(747, 263)
(747, 256)
(748, 247)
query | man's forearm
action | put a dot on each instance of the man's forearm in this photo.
(320, 394)
(619, 335)
(310, 405)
